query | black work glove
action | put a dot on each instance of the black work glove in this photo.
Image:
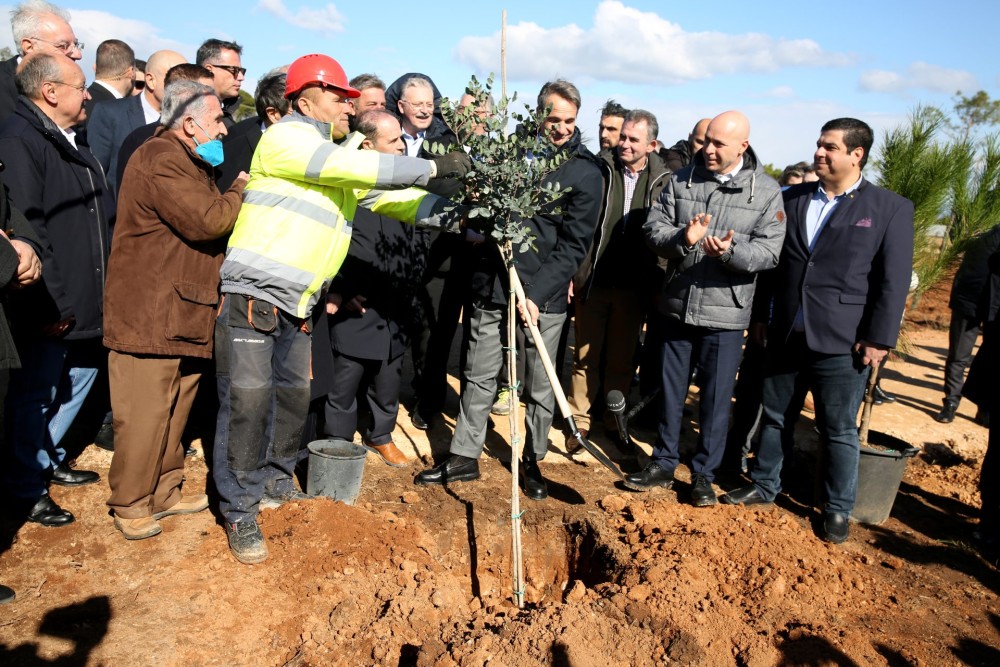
(452, 165)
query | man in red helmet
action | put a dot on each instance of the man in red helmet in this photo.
(289, 241)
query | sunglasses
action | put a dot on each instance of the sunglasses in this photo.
(232, 69)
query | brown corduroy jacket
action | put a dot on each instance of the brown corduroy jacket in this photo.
(163, 276)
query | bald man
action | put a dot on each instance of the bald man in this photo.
(718, 222)
(112, 121)
(680, 154)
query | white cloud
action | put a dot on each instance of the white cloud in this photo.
(918, 76)
(780, 92)
(327, 19)
(629, 45)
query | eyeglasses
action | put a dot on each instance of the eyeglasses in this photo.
(65, 47)
(82, 87)
(420, 106)
(232, 69)
(139, 84)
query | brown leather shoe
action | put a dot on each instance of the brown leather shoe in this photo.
(187, 505)
(573, 445)
(138, 529)
(390, 454)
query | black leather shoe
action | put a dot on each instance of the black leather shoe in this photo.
(105, 438)
(880, 396)
(7, 594)
(532, 481)
(947, 414)
(747, 495)
(419, 422)
(702, 494)
(455, 469)
(836, 527)
(650, 477)
(63, 475)
(46, 512)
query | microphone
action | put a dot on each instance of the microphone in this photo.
(615, 402)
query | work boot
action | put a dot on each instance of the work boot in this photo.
(456, 468)
(702, 494)
(532, 480)
(501, 407)
(947, 414)
(247, 542)
(269, 502)
(190, 504)
(138, 529)
(836, 527)
(650, 477)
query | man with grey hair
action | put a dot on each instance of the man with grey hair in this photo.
(372, 94)
(620, 276)
(60, 188)
(114, 72)
(416, 112)
(38, 27)
(162, 294)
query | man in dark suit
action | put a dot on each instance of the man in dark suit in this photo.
(114, 69)
(115, 120)
(836, 301)
(370, 330)
(243, 137)
(222, 59)
(38, 27)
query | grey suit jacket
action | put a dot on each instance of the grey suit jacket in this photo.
(111, 123)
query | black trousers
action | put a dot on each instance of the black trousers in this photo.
(379, 381)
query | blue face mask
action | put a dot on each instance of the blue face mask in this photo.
(211, 151)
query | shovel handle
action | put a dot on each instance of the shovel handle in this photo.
(866, 412)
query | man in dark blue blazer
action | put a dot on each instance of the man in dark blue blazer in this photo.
(112, 121)
(835, 302)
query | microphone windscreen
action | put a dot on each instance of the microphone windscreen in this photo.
(615, 401)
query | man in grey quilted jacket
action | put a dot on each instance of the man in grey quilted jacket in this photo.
(718, 222)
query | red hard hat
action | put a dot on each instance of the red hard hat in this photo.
(317, 68)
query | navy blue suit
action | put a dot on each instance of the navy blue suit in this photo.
(851, 288)
(107, 128)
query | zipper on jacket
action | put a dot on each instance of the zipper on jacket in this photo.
(100, 234)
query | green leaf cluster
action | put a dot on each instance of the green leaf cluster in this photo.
(505, 185)
(954, 183)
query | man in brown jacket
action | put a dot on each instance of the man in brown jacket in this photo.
(160, 304)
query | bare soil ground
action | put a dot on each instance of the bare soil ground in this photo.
(413, 576)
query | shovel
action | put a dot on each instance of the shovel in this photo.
(557, 390)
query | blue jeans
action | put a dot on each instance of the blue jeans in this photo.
(718, 353)
(44, 397)
(262, 370)
(838, 385)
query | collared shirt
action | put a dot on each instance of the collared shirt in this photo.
(149, 113)
(70, 135)
(820, 208)
(107, 86)
(413, 144)
(630, 180)
(728, 176)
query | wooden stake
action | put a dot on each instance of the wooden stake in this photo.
(512, 400)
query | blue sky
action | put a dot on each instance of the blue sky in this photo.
(789, 66)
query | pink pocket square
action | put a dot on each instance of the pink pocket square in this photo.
(863, 222)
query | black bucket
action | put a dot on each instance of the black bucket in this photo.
(335, 469)
(880, 471)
